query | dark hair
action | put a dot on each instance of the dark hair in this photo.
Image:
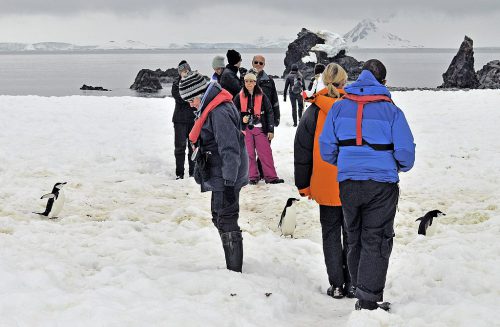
(377, 68)
(182, 62)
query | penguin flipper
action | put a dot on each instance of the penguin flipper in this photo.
(48, 196)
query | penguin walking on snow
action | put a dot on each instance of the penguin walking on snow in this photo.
(426, 221)
(55, 202)
(288, 220)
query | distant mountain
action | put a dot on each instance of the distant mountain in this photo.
(137, 45)
(367, 34)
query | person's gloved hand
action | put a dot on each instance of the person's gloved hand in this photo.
(306, 192)
(229, 194)
(284, 98)
(276, 122)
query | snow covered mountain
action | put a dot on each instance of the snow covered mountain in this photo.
(125, 45)
(367, 34)
(41, 46)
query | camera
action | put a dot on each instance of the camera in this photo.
(250, 122)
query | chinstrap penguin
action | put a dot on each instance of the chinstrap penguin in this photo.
(426, 220)
(288, 220)
(55, 202)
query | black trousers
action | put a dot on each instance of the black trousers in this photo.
(296, 99)
(180, 142)
(369, 210)
(334, 244)
(224, 215)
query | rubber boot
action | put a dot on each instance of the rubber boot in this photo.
(233, 250)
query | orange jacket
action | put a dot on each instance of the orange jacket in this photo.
(323, 186)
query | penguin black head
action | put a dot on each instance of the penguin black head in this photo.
(59, 185)
(426, 220)
(290, 201)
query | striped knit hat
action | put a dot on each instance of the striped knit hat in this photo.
(192, 85)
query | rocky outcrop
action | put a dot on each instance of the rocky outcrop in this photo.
(93, 88)
(489, 75)
(302, 47)
(461, 71)
(149, 81)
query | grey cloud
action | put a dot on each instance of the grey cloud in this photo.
(318, 8)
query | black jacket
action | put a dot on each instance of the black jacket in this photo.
(183, 113)
(267, 85)
(304, 147)
(230, 81)
(266, 112)
(221, 136)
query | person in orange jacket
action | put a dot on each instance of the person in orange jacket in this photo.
(317, 179)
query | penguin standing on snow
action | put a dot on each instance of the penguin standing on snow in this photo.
(55, 202)
(288, 220)
(426, 221)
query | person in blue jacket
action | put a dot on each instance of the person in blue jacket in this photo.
(369, 140)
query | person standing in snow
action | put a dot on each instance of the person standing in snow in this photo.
(367, 136)
(317, 180)
(295, 82)
(231, 78)
(266, 83)
(221, 158)
(218, 66)
(183, 119)
(258, 121)
(318, 70)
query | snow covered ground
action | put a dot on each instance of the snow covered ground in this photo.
(134, 247)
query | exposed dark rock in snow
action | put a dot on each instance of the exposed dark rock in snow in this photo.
(301, 47)
(489, 75)
(461, 71)
(150, 81)
(93, 88)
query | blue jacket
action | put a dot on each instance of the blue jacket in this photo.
(383, 123)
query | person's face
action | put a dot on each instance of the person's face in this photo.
(195, 102)
(184, 73)
(258, 63)
(238, 64)
(250, 85)
(218, 71)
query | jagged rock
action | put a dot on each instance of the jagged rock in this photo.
(150, 81)
(301, 47)
(461, 71)
(489, 75)
(93, 88)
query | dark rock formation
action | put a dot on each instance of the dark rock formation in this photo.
(301, 48)
(489, 75)
(461, 72)
(93, 88)
(150, 81)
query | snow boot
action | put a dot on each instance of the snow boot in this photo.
(350, 291)
(233, 250)
(369, 305)
(335, 292)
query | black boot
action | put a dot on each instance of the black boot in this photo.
(233, 250)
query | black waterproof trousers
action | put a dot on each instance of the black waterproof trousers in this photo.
(369, 210)
(225, 216)
(334, 244)
(181, 141)
(296, 99)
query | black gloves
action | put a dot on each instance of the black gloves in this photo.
(229, 194)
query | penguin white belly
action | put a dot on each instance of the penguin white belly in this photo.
(289, 222)
(57, 205)
(431, 229)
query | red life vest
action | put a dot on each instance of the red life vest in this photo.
(361, 100)
(257, 105)
(223, 96)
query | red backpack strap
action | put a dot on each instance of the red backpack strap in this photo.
(257, 106)
(243, 102)
(361, 100)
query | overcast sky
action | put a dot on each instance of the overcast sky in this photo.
(431, 23)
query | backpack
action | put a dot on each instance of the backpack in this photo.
(297, 84)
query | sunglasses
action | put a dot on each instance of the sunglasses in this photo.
(259, 63)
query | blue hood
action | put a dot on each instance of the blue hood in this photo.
(367, 84)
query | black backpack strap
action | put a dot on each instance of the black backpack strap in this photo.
(377, 147)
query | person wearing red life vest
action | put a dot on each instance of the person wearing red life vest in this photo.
(221, 161)
(258, 124)
(369, 140)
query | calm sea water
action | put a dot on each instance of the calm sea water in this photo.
(61, 74)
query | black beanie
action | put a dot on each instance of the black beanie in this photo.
(233, 57)
(318, 69)
(294, 68)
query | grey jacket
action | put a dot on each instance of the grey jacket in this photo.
(221, 136)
